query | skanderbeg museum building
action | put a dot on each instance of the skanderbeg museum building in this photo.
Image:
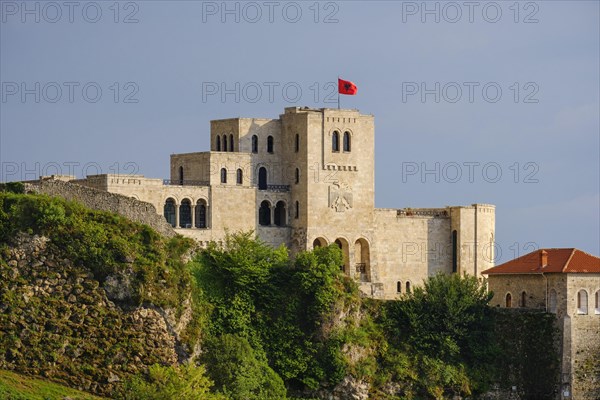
(304, 180)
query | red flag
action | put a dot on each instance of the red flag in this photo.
(346, 87)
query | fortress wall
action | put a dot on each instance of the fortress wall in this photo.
(475, 226)
(534, 286)
(411, 247)
(585, 337)
(135, 210)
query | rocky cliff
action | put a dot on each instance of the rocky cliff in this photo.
(58, 322)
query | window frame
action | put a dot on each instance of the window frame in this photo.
(347, 142)
(270, 145)
(581, 310)
(254, 144)
(335, 142)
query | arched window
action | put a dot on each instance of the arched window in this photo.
(399, 287)
(224, 142)
(181, 175)
(508, 300)
(582, 302)
(185, 214)
(230, 142)
(407, 287)
(270, 144)
(169, 211)
(200, 214)
(223, 175)
(218, 143)
(319, 242)
(454, 251)
(280, 214)
(297, 176)
(262, 178)
(597, 308)
(254, 144)
(264, 214)
(297, 211)
(239, 176)
(523, 299)
(297, 143)
(335, 141)
(552, 301)
(347, 141)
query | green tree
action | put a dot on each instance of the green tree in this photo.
(185, 382)
(240, 372)
(449, 327)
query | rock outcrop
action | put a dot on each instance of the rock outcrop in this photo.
(57, 321)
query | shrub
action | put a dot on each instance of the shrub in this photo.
(240, 372)
(186, 382)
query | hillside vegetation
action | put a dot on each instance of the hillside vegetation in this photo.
(98, 302)
(18, 387)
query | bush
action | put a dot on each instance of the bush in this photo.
(12, 187)
(240, 372)
(186, 382)
(449, 327)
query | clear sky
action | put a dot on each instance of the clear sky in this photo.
(474, 102)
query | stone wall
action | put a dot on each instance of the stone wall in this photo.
(579, 332)
(585, 337)
(57, 321)
(410, 248)
(130, 208)
(533, 285)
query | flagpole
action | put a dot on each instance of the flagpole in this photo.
(338, 92)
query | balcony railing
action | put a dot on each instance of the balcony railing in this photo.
(172, 182)
(422, 212)
(278, 188)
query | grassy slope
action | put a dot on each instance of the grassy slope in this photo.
(19, 387)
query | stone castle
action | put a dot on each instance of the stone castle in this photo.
(304, 180)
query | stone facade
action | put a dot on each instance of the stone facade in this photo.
(578, 321)
(307, 179)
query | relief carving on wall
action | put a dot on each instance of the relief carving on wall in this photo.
(340, 197)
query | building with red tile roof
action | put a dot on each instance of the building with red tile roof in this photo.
(566, 282)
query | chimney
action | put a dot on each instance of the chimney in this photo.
(543, 258)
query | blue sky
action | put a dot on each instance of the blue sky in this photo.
(480, 102)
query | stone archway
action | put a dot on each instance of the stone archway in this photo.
(362, 260)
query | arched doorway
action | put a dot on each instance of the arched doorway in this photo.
(343, 245)
(185, 214)
(262, 178)
(264, 213)
(200, 214)
(169, 211)
(280, 214)
(362, 260)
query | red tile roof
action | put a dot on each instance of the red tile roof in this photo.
(558, 261)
